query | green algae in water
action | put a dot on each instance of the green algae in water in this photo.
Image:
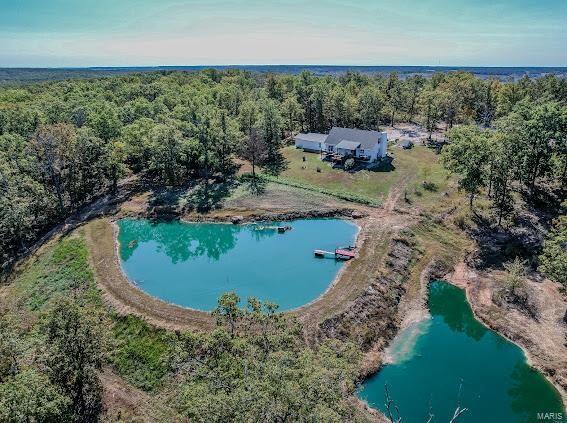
(193, 264)
(452, 350)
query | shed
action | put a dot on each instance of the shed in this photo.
(310, 141)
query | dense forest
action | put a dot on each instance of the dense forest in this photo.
(65, 144)
(62, 144)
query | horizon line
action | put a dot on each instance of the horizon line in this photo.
(95, 67)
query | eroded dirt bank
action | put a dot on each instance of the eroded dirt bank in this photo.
(372, 318)
(543, 338)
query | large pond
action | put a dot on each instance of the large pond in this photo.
(192, 264)
(453, 359)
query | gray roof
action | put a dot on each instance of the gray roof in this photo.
(348, 145)
(367, 139)
(311, 136)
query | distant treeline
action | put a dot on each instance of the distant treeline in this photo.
(17, 76)
(64, 143)
(13, 76)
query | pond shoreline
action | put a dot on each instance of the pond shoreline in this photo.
(416, 309)
(283, 288)
(518, 335)
(124, 296)
(248, 216)
(439, 346)
(127, 298)
(411, 311)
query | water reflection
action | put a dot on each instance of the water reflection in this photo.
(181, 242)
(525, 382)
(458, 318)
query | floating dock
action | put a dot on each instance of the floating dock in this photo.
(279, 229)
(323, 253)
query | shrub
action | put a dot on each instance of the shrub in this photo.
(142, 353)
(349, 164)
(553, 260)
(462, 220)
(429, 186)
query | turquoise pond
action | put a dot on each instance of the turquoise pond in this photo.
(453, 359)
(192, 264)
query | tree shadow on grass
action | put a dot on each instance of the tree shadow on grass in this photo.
(163, 202)
(497, 245)
(430, 186)
(256, 186)
(277, 165)
(544, 201)
(169, 203)
(206, 197)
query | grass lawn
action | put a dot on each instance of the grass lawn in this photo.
(408, 171)
(59, 270)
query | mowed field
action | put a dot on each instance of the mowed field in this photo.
(408, 172)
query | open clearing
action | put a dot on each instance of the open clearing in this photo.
(409, 169)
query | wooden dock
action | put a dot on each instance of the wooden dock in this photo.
(323, 253)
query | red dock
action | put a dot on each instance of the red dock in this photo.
(345, 253)
(339, 254)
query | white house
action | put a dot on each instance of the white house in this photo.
(365, 145)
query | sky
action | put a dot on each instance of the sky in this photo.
(77, 33)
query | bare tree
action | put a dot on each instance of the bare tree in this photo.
(390, 402)
(458, 410)
(254, 150)
(50, 144)
(431, 415)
